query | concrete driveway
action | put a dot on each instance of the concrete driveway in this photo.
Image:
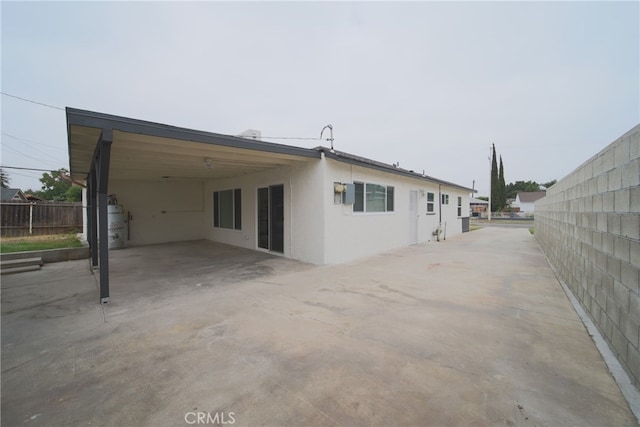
(472, 331)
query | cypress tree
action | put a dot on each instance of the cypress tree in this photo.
(494, 182)
(502, 188)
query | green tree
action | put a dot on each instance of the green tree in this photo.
(513, 188)
(4, 179)
(494, 182)
(73, 194)
(54, 187)
(502, 194)
(549, 184)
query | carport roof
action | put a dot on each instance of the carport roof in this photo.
(148, 150)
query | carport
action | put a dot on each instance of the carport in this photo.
(104, 147)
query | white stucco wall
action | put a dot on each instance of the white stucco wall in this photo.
(524, 207)
(316, 230)
(169, 211)
(350, 235)
(303, 219)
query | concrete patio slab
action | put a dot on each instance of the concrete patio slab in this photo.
(474, 330)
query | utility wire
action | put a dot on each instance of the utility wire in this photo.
(24, 175)
(28, 146)
(285, 137)
(32, 101)
(27, 140)
(26, 169)
(26, 155)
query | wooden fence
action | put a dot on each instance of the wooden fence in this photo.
(24, 219)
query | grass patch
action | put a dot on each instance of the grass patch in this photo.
(474, 227)
(39, 243)
(531, 230)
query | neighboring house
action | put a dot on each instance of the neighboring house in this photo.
(478, 207)
(316, 205)
(12, 195)
(525, 201)
(33, 198)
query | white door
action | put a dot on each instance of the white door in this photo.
(413, 217)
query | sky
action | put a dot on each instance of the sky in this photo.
(428, 85)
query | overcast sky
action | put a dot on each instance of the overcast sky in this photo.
(429, 85)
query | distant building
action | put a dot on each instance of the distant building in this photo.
(12, 195)
(478, 207)
(33, 198)
(525, 201)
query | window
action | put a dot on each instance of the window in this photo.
(389, 199)
(459, 206)
(227, 209)
(373, 198)
(430, 200)
(358, 205)
(445, 199)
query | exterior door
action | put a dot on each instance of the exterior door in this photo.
(413, 217)
(271, 218)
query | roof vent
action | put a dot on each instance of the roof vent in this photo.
(251, 134)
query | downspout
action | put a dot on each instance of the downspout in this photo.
(291, 252)
(31, 217)
(439, 205)
(323, 165)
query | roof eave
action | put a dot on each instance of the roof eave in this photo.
(77, 117)
(332, 154)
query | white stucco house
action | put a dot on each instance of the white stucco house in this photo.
(526, 201)
(317, 205)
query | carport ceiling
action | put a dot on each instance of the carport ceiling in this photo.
(149, 151)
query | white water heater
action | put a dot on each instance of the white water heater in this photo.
(115, 222)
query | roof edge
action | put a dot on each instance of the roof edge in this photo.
(77, 117)
(342, 156)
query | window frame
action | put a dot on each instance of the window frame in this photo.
(431, 203)
(235, 207)
(361, 203)
(459, 206)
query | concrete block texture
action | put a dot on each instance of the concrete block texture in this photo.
(615, 179)
(634, 308)
(630, 276)
(634, 201)
(621, 248)
(634, 147)
(630, 225)
(598, 255)
(622, 200)
(621, 152)
(631, 174)
(630, 330)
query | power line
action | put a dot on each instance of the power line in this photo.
(24, 175)
(26, 155)
(26, 169)
(31, 147)
(286, 137)
(27, 140)
(32, 101)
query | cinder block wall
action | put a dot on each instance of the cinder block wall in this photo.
(589, 227)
